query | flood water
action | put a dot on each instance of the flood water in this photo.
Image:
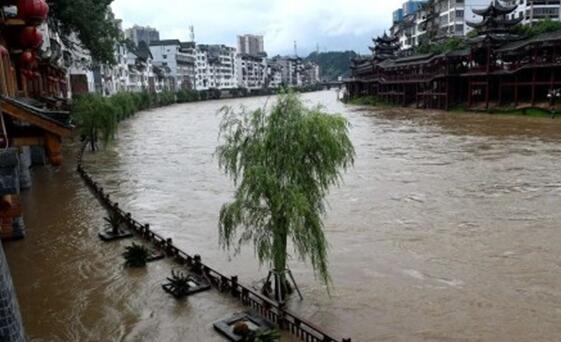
(446, 229)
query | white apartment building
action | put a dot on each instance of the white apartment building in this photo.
(215, 67)
(448, 18)
(274, 74)
(179, 58)
(134, 71)
(311, 74)
(141, 74)
(251, 71)
(534, 10)
(291, 71)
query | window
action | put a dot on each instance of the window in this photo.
(165, 56)
(460, 14)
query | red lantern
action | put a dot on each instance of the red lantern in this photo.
(30, 37)
(36, 10)
(26, 59)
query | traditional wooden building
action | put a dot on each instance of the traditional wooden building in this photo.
(33, 104)
(498, 67)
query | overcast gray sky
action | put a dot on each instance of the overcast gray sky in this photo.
(331, 24)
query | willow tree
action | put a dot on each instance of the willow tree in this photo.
(96, 118)
(283, 163)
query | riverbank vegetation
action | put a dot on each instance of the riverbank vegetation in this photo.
(283, 162)
(98, 117)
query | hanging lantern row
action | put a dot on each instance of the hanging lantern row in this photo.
(30, 74)
(33, 10)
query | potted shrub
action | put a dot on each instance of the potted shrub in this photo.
(181, 285)
(114, 231)
(136, 255)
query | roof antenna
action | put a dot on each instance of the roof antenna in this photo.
(192, 33)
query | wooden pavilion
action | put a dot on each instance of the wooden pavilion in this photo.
(498, 68)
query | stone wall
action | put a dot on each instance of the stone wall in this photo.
(11, 327)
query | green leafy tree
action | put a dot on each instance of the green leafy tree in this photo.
(448, 45)
(283, 164)
(93, 23)
(96, 118)
(539, 27)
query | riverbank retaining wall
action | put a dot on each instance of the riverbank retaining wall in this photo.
(11, 326)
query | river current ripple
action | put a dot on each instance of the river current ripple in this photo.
(446, 229)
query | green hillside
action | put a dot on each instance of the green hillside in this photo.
(332, 64)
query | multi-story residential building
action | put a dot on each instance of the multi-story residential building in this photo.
(274, 78)
(250, 44)
(80, 72)
(251, 71)
(133, 71)
(145, 34)
(179, 58)
(534, 10)
(439, 19)
(434, 19)
(141, 73)
(215, 67)
(310, 74)
(291, 72)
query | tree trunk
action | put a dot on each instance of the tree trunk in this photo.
(92, 139)
(279, 265)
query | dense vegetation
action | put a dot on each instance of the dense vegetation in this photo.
(542, 26)
(97, 116)
(332, 64)
(93, 23)
(447, 45)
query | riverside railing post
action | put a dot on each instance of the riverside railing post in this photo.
(169, 247)
(196, 264)
(234, 288)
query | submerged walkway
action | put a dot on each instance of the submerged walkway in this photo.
(266, 308)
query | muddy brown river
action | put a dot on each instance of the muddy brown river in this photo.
(448, 228)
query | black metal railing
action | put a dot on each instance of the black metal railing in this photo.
(262, 305)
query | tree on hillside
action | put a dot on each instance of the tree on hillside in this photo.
(332, 64)
(93, 23)
(282, 164)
